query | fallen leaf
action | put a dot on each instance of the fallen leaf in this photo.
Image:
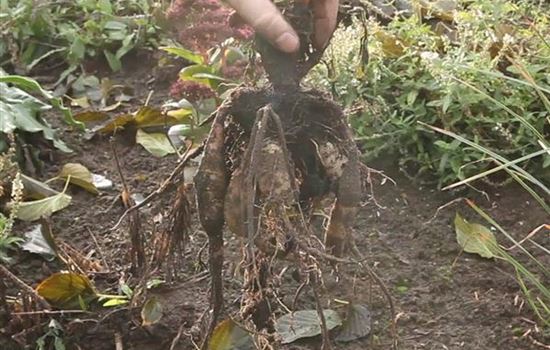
(229, 336)
(37, 243)
(36, 189)
(64, 289)
(81, 102)
(91, 116)
(357, 324)
(77, 174)
(112, 125)
(157, 144)
(34, 210)
(391, 45)
(304, 324)
(149, 116)
(475, 238)
(151, 312)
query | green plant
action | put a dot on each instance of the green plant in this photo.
(74, 30)
(54, 332)
(22, 115)
(475, 238)
(422, 69)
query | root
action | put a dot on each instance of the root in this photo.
(137, 249)
(211, 183)
(167, 184)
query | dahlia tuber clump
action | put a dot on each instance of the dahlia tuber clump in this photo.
(271, 153)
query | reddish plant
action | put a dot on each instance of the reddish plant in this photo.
(191, 90)
(202, 24)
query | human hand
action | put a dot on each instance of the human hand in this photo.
(266, 19)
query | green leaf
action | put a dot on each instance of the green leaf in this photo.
(151, 312)
(208, 76)
(304, 324)
(183, 53)
(64, 289)
(115, 302)
(126, 290)
(229, 336)
(113, 60)
(233, 55)
(475, 238)
(31, 85)
(189, 73)
(34, 210)
(114, 25)
(157, 144)
(127, 45)
(357, 324)
(77, 174)
(77, 50)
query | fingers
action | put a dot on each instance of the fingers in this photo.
(266, 19)
(325, 13)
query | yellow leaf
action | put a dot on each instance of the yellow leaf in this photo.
(149, 116)
(63, 289)
(475, 238)
(91, 116)
(229, 336)
(391, 45)
(151, 312)
(114, 124)
(78, 175)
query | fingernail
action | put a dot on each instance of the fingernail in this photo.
(287, 42)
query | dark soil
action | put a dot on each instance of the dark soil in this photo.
(444, 299)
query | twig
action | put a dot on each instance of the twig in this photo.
(118, 166)
(384, 289)
(137, 250)
(324, 331)
(5, 313)
(176, 339)
(51, 312)
(531, 234)
(25, 287)
(538, 343)
(443, 207)
(99, 250)
(118, 341)
(183, 161)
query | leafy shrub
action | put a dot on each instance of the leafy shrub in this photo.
(449, 74)
(33, 32)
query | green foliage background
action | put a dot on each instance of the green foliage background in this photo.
(448, 74)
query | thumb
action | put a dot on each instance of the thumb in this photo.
(266, 19)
